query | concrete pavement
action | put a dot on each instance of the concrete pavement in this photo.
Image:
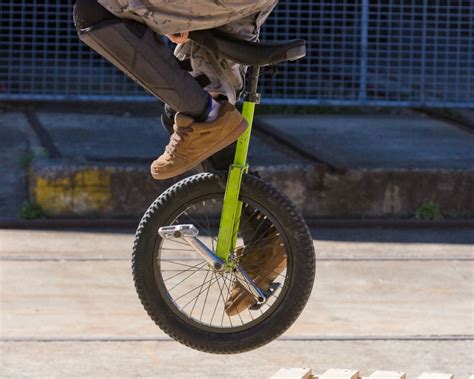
(163, 359)
(383, 299)
(409, 141)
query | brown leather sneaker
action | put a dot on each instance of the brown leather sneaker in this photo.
(262, 261)
(193, 142)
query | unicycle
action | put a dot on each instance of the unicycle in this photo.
(224, 262)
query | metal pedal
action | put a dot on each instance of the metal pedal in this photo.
(189, 233)
(178, 231)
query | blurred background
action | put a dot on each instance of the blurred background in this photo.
(394, 53)
(375, 122)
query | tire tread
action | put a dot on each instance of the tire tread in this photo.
(299, 234)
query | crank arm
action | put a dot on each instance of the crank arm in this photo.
(189, 233)
(250, 286)
(268, 293)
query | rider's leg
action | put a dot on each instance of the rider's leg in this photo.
(222, 77)
(135, 49)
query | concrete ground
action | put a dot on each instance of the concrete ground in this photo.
(395, 300)
(380, 140)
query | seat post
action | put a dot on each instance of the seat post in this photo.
(251, 98)
(252, 95)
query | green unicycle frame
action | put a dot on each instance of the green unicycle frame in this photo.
(232, 207)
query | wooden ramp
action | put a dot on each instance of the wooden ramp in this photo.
(306, 373)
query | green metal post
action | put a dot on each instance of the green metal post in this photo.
(232, 207)
(243, 142)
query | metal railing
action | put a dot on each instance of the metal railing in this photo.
(363, 52)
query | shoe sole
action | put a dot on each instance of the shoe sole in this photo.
(229, 139)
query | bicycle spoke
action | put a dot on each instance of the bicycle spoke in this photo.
(170, 249)
(194, 289)
(215, 308)
(250, 313)
(253, 243)
(205, 299)
(258, 228)
(210, 232)
(202, 269)
(264, 270)
(196, 298)
(222, 296)
(199, 292)
(228, 295)
(171, 289)
(174, 240)
(195, 302)
(183, 271)
(197, 224)
(174, 262)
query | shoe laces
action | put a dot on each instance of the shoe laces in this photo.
(176, 138)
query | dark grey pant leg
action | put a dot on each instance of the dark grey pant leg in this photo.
(138, 52)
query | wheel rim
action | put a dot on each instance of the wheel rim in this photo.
(192, 290)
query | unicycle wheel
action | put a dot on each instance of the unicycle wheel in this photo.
(203, 308)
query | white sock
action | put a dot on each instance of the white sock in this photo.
(213, 113)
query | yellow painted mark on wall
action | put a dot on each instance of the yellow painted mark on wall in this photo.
(86, 191)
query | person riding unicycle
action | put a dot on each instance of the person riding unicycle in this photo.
(199, 90)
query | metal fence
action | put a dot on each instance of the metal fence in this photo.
(362, 52)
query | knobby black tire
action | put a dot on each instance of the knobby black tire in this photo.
(301, 279)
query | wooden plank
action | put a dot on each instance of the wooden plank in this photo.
(436, 375)
(379, 374)
(340, 374)
(293, 373)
